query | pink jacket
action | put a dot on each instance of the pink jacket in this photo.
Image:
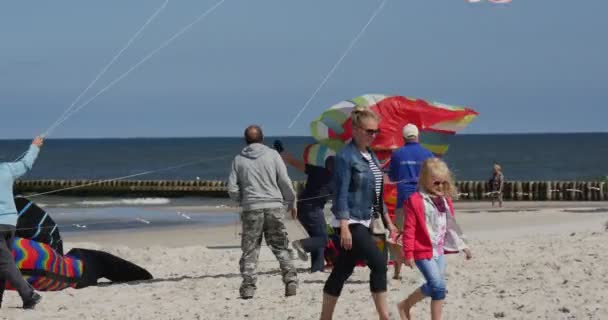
(416, 239)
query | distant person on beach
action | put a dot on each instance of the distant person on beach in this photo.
(358, 182)
(496, 185)
(260, 184)
(9, 172)
(404, 171)
(430, 232)
(311, 206)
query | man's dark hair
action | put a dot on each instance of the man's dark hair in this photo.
(253, 134)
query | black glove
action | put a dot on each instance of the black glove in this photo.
(278, 145)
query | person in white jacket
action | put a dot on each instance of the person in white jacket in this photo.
(9, 172)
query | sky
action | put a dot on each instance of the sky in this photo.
(529, 66)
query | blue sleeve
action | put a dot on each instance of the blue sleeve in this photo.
(342, 175)
(22, 166)
(393, 173)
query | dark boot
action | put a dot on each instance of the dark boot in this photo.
(32, 301)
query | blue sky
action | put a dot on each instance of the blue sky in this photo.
(531, 66)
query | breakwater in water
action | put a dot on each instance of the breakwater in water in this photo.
(468, 190)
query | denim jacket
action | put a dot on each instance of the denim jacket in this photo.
(354, 190)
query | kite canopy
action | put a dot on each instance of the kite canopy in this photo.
(35, 224)
(38, 253)
(44, 268)
(316, 154)
(436, 122)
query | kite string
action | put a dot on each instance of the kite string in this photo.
(337, 64)
(68, 113)
(143, 60)
(106, 67)
(77, 225)
(138, 219)
(178, 166)
(190, 163)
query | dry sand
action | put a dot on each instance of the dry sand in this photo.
(531, 261)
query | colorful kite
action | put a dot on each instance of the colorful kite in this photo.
(316, 154)
(42, 262)
(436, 121)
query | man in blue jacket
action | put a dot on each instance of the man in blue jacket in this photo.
(9, 172)
(404, 171)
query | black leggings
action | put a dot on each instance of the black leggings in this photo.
(364, 248)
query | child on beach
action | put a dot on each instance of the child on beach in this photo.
(430, 231)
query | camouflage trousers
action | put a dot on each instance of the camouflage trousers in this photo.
(266, 223)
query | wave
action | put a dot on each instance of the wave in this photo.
(131, 202)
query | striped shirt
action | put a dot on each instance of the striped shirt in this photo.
(378, 188)
(378, 180)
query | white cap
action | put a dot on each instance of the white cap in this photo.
(410, 131)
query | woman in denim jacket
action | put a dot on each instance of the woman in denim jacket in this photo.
(358, 194)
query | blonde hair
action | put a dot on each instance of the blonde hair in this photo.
(359, 114)
(438, 168)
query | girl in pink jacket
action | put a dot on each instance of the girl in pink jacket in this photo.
(430, 231)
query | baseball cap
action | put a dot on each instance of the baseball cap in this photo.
(410, 131)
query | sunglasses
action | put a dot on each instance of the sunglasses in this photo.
(438, 183)
(371, 132)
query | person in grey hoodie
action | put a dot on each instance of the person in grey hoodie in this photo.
(9, 172)
(260, 184)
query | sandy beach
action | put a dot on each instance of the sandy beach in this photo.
(132, 134)
(531, 261)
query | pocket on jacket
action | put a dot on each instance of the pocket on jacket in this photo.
(359, 172)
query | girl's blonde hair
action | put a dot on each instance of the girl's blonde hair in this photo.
(435, 167)
(359, 114)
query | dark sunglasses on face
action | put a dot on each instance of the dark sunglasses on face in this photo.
(371, 132)
(439, 183)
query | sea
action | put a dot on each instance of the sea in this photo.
(579, 156)
(523, 157)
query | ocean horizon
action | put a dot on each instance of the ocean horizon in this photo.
(524, 156)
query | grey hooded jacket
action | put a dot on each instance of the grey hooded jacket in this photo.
(259, 179)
